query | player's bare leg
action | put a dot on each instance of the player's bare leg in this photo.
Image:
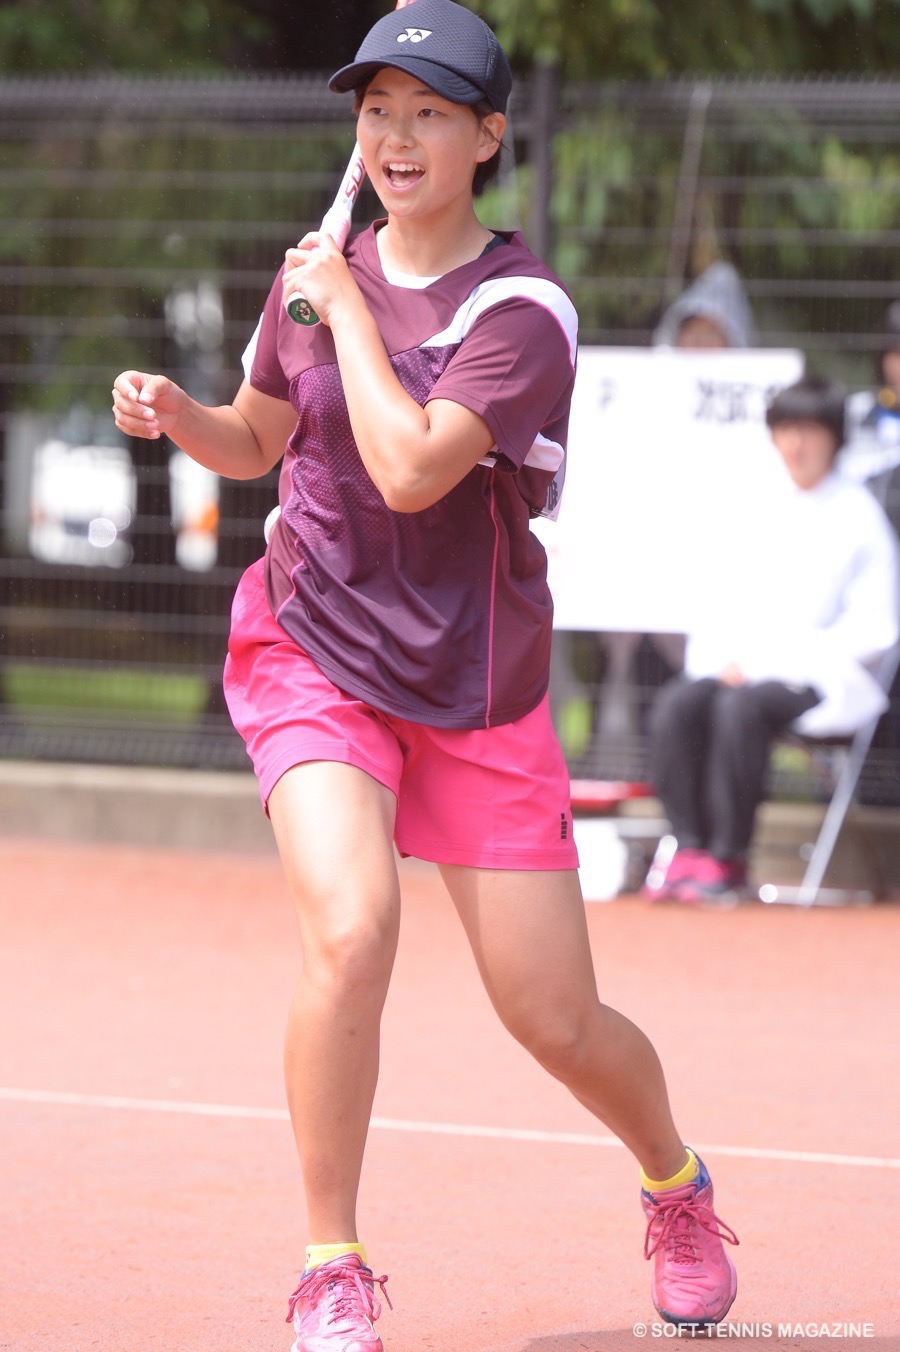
(528, 932)
(529, 936)
(334, 828)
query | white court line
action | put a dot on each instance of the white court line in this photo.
(65, 1099)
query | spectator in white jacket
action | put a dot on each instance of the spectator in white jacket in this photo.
(800, 602)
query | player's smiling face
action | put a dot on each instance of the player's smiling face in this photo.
(420, 150)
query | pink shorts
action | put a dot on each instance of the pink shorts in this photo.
(489, 798)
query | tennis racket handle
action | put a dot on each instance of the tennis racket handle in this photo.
(336, 223)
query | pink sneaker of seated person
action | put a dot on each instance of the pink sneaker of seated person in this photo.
(664, 879)
(715, 881)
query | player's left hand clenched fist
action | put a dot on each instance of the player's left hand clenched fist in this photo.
(146, 405)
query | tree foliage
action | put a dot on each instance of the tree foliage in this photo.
(636, 39)
(587, 39)
(81, 36)
(171, 36)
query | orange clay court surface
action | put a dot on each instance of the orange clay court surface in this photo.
(150, 1193)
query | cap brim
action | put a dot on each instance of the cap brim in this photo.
(444, 82)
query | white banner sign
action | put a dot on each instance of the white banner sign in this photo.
(662, 444)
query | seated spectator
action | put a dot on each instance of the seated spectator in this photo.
(801, 600)
(873, 456)
(873, 418)
(879, 408)
(712, 313)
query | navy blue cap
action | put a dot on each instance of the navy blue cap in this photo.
(442, 44)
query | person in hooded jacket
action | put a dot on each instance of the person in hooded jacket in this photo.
(712, 313)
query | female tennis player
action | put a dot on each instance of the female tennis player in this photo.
(389, 657)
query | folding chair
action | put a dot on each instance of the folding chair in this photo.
(853, 753)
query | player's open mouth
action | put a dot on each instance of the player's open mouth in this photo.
(402, 174)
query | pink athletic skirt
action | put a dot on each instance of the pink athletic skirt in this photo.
(488, 798)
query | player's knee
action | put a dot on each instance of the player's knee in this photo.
(354, 956)
(555, 1038)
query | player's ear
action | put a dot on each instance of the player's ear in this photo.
(492, 128)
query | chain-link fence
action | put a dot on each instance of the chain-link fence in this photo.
(142, 222)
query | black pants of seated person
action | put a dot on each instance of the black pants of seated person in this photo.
(709, 755)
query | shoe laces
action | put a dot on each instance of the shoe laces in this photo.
(672, 1225)
(350, 1286)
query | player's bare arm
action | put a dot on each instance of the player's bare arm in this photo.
(414, 455)
(242, 440)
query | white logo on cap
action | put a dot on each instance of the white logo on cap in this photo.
(415, 35)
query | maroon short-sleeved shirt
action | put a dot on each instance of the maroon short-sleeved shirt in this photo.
(441, 616)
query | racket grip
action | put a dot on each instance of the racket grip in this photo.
(336, 223)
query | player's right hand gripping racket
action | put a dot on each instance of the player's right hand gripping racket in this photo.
(336, 221)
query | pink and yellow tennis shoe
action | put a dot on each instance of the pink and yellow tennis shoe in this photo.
(694, 1281)
(335, 1307)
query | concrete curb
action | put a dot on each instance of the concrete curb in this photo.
(103, 804)
(220, 810)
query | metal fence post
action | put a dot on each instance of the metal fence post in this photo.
(686, 189)
(543, 106)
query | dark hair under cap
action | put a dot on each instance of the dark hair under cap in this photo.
(811, 399)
